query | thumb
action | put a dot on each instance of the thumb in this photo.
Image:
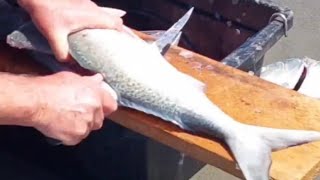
(97, 19)
(59, 44)
(114, 12)
(97, 77)
(109, 89)
(106, 88)
(109, 99)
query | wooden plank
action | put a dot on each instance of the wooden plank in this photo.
(246, 98)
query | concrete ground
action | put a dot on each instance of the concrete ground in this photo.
(303, 40)
(304, 37)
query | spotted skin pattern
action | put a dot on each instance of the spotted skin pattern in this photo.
(145, 81)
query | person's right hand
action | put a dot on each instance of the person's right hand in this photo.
(71, 106)
(56, 19)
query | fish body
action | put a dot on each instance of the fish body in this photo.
(145, 81)
(141, 77)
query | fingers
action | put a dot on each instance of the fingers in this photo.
(98, 19)
(98, 119)
(79, 134)
(109, 99)
(114, 12)
(83, 131)
(109, 104)
(107, 94)
(104, 18)
(105, 87)
(72, 141)
(97, 77)
(59, 44)
(108, 89)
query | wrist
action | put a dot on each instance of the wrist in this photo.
(29, 102)
(19, 100)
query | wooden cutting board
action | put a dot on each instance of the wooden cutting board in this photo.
(246, 98)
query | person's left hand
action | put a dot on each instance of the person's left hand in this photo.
(57, 19)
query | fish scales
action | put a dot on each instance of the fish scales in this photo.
(145, 81)
(148, 84)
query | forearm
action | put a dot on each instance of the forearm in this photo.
(18, 99)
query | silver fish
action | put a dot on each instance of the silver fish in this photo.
(143, 80)
(310, 85)
(300, 74)
(284, 73)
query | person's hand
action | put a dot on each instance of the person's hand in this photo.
(71, 106)
(56, 19)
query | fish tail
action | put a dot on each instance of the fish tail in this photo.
(252, 147)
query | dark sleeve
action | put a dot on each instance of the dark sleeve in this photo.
(12, 2)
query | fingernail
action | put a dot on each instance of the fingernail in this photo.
(114, 12)
(120, 13)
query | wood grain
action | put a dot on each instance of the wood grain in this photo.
(246, 98)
